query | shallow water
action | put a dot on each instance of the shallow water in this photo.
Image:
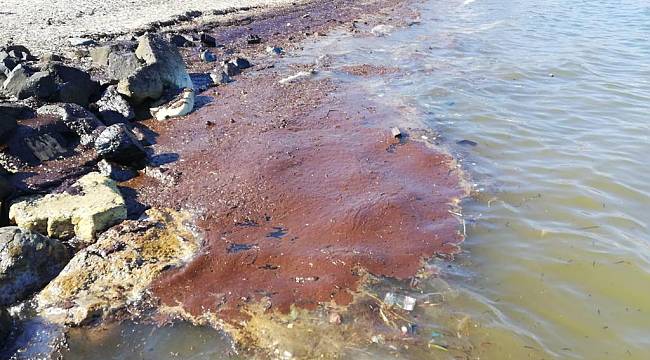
(555, 95)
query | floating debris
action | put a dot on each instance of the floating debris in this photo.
(297, 77)
(402, 301)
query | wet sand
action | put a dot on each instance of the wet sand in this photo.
(301, 188)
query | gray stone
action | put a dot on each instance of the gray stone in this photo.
(48, 57)
(115, 171)
(122, 65)
(79, 120)
(153, 49)
(113, 108)
(144, 84)
(274, 50)
(6, 188)
(28, 261)
(23, 83)
(100, 55)
(117, 143)
(220, 78)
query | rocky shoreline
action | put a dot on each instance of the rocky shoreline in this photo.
(154, 164)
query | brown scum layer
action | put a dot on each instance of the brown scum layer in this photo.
(298, 187)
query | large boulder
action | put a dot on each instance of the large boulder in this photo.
(79, 120)
(91, 205)
(73, 85)
(144, 84)
(113, 108)
(156, 66)
(114, 272)
(154, 49)
(117, 143)
(121, 65)
(28, 261)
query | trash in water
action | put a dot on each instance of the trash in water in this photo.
(297, 77)
(395, 131)
(402, 301)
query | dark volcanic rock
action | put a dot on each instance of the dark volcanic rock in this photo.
(22, 83)
(117, 143)
(73, 85)
(253, 39)
(113, 108)
(231, 69)
(241, 63)
(7, 125)
(5, 326)
(16, 110)
(180, 41)
(28, 261)
(19, 52)
(32, 146)
(208, 40)
(7, 63)
(79, 120)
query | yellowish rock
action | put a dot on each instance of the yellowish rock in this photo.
(95, 205)
(113, 273)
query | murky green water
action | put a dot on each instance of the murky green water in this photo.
(556, 95)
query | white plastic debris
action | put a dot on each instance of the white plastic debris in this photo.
(297, 77)
(402, 301)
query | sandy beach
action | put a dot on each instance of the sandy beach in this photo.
(47, 25)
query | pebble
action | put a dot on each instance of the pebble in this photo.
(208, 56)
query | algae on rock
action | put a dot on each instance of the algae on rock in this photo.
(113, 273)
(93, 205)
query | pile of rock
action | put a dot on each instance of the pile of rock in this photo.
(55, 111)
